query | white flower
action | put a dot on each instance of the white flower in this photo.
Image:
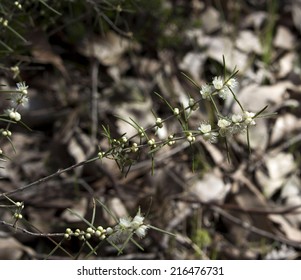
(224, 127)
(19, 99)
(206, 91)
(223, 123)
(249, 118)
(223, 93)
(205, 128)
(218, 83)
(141, 231)
(22, 87)
(232, 83)
(137, 221)
(236, 118)
(208, 135)
(211, 137)
(238, 124)
(124, 223)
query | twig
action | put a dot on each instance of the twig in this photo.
(44, 179)
(284, 211)
(94, 98)
(30, 232)
(256, 230)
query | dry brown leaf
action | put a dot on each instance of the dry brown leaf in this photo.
(258, 136)
(254, 20)
(289, 231)
(79, 207)
(286, 64)
(254, 97)
(210, 188)
(108, 50)
(248, 42)
(279, 166)
(117, 208)
(211, 20)
(43, 53)
(284, 126)
(80, 146)
(193, 64)
(290, 193)
(219, 47)
(284, 39)
(11, 249)
(140, 112)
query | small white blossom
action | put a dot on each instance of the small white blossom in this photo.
(223, 93)
(238, 124)
(125, 223)
(224, 126)
(223, 123)
(128, 226)
(211, 137)
(232, 83)
(205, 128)
(208, 135)
(137, 221)
(19, 99)
(249, 118)
(22, 87)
(236, 118)
(218, 83)
(141, 231)
(206, 91)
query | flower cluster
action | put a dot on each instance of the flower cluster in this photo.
(227, 126)
(128, 226)
(219, 86)
(123, 150)
(18, 98)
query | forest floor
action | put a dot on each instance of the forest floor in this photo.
(219, 200)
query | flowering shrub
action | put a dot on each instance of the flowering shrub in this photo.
(124, 148)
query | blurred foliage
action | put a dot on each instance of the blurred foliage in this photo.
(74, 18)
(157, 24)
